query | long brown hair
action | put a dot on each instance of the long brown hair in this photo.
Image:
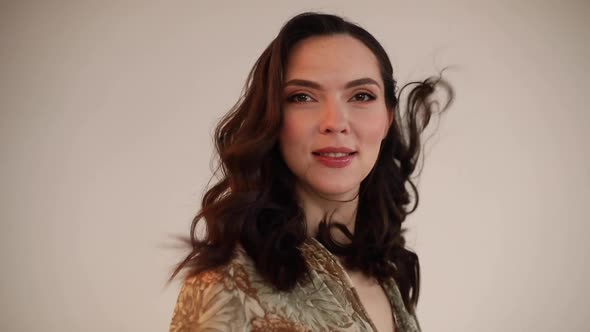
(254, 204)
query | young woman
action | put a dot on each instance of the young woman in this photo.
(304, 226)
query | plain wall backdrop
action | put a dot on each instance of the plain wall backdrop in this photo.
(107, 110)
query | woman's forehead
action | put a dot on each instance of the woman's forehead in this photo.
(331, 58)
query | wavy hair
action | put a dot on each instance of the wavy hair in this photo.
(253, 202)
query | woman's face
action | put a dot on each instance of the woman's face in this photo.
(334, 114)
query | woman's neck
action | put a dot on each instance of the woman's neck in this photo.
(339, 208)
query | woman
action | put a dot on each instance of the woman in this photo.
(304, 226)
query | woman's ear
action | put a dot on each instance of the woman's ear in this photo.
(390, 118)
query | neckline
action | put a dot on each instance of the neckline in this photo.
(348, 282)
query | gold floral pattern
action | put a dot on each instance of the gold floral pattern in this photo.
(234, 297)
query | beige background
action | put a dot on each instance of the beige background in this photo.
(107, 109)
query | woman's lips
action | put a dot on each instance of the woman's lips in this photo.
(332, 161)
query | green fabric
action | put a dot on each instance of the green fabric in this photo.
(234, 297)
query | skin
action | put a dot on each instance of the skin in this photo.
(332, 114)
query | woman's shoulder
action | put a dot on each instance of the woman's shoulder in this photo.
(234, 276)
(218, 299)
(235, 297)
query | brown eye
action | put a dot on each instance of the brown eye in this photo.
(300, 98)
(363, 96)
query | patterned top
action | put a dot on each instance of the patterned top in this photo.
(234, 297)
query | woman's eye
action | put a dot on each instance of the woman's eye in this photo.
(363, 96)
(300, 98)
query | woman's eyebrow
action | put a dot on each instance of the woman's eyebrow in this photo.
(317, 86)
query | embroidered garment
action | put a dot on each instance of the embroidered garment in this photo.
(234, 297)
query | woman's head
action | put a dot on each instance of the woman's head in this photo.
(333, 102)
(273, 114)
(322, 83)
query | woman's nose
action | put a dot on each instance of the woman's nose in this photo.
(333, 118)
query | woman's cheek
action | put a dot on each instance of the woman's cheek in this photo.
(290, 134)
(372, 130)
(294, 137)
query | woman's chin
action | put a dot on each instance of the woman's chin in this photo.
(339, 191)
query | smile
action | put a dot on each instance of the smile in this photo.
(333, 154)
(334, 159)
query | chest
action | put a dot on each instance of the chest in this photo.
(375, 302)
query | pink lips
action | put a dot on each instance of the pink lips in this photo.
(334, 162)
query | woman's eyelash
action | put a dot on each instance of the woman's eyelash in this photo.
(296, 98)
(366, 96)
(303, 97)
